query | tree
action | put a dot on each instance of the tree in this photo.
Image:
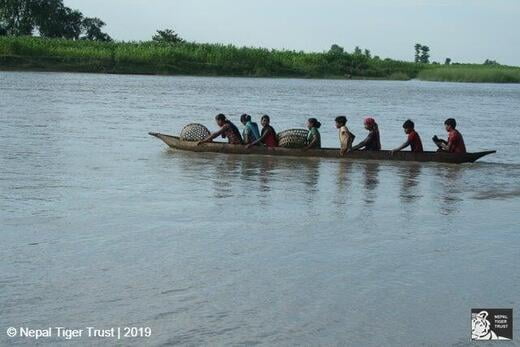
(16, 17)
(425, 55)
(167, 36)
(50, 17)
(358, 51)
(92, 28)
(491, 62)
(53, 19)
(336, 50)
(418, 48)
(447, 61)
(367, 53)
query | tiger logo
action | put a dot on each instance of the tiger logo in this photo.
(481, 328)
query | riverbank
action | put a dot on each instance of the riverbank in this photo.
(38, 54)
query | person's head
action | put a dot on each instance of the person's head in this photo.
(245, 118)
(341, 121)
(370, 123)
(408, 126)
(265, 120)
(221, 119)
(450, 124)
(313, 123)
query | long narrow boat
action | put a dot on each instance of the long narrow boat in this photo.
(220, 147)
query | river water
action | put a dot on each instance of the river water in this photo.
(103, 226)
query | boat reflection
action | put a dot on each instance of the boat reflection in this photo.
(315, 184)
(410, 177)
(449, 187)
(371, 181)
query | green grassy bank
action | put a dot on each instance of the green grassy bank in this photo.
(33, 53)
(472, 73)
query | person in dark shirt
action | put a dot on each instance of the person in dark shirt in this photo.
(413, 140)
(227, 130)
(455, 143)
(372, 142)
(268, 136)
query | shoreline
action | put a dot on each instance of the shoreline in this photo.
(33, 64)
(353, 78)
(214, 60)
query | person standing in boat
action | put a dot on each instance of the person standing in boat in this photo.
(268, 136)
(227, 130)
(413, 140)
(455, 143)
(313, 137)
(251, 133)
(345, 136)
(372, 142)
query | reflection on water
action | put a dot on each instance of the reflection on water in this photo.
(371, 180)
(410, 178)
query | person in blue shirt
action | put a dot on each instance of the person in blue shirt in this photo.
(251, 132)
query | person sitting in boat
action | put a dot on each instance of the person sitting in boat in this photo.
(227, 130)
(455, 143)
(413, 140)
(313, 137)
(372, 142)
(345, 136)
(251, 132)
(268, 136)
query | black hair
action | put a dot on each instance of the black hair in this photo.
(451, 122)
(245, 117)
(408, 124)
(266, 117)
(220, 117)
(314, 122)
(341, 120)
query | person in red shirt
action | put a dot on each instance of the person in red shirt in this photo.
(414, 140)
(455, 143)
(268, 137)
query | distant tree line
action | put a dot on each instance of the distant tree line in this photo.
(48, 18)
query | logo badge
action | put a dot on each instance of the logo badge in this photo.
(491, 324)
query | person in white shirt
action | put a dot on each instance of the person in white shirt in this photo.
(346, 138)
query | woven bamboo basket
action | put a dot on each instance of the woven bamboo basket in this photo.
(293, 138)
(194, 132)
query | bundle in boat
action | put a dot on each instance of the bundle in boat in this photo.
(293, 138)
(194, 132)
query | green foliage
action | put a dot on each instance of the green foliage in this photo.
(226, 60)
(425, 55)
(51, 18)
(399, 76)
(92, 28)
(447, 61)
(472, 73)
(16, 17)
(491, 62)
(422, 53)
(167, 36)
(417, 47)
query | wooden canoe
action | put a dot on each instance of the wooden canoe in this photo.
(220, 147)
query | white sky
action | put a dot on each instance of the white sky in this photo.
(464, 30)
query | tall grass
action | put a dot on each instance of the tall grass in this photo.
(225, 60)
(472, 73)
(192, 58)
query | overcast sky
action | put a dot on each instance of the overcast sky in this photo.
(464, 30)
